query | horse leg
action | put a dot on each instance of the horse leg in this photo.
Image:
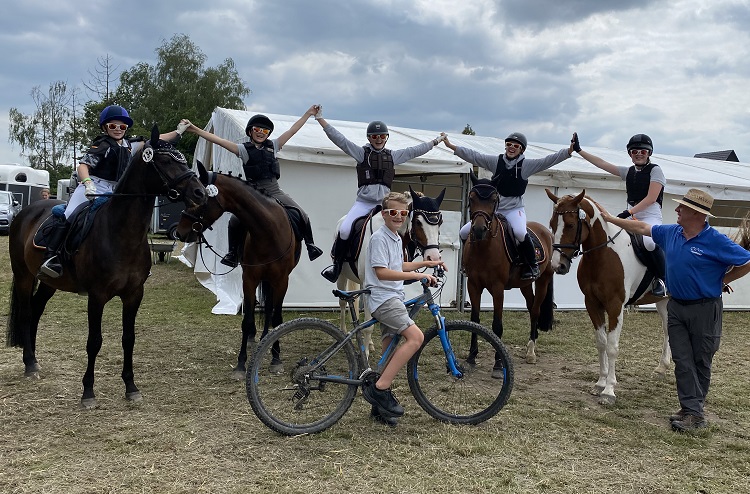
(612, 348)
(666, 351)
(596, 314)
(20, 324)
(249, 329)
(532, 307)
(498, 297)
(93, 345)
(276, 318)
(130, 306)
(475, 296)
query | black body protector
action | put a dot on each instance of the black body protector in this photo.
(510, 184)
(262, 164)
(376, 168)
(113, 158)
(637, 184)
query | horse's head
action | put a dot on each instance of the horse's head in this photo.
(483, 199)
(178, 182)
(426, 219)
(570, 227)
(194, 221)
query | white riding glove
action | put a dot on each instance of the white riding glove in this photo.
(439, 139)
(182, 127)
(319, 114)
(90, 189)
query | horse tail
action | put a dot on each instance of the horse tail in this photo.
(14, 336)
(265, 300)
(547, 310)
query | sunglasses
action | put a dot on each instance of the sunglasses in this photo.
(114, 126)
(263, 131)
(512, 145)
(636, 152)
(397, 212)
(378, 136)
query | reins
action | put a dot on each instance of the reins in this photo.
(577, 244)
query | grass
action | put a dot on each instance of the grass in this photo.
(195, 432)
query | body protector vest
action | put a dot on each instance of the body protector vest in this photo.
(113, 158)
(376, 168)
(511, 184)
(637, 184)
(261, 164)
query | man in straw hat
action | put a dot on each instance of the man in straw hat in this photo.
(700, 260)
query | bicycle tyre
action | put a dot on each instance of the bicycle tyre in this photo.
(288, 402)
(473, 398)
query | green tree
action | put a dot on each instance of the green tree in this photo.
(46, 137)
(468, 131)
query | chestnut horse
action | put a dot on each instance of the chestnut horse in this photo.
(114, 260)
(271, 250)
(487, 266)
(609, 275)
(420, 237)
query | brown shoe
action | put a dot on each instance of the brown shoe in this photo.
(689, 423)
(678, 415)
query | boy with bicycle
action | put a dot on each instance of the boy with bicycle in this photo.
(385, 273)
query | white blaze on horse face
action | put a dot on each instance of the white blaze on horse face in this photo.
(432, 237)
(557, 235)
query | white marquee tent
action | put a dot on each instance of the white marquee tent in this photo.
(321, 178)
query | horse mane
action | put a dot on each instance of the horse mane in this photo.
(742, 236)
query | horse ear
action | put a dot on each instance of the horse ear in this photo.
(202, 173)
(552, 196)
(473, 177)
(579, 197)
(439, 198)
(154, 135)
(413, 194)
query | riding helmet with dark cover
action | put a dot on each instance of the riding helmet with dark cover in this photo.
(261, 121)
(519, 138)
(114, 112)
(641, 141)
(377, 127)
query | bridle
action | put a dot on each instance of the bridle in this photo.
(434, 218)
(485, 191)
(577, 245)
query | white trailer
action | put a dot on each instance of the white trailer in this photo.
(24, 182)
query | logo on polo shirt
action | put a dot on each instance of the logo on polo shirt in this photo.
(696, 250)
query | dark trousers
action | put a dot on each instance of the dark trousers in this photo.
(694, 336)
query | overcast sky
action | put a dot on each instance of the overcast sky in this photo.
(678, 70)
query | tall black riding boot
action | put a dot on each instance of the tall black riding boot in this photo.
(236, 239)
(313, 251)
(658, 268)
(331, 273)
(52, 266)
(526, 249)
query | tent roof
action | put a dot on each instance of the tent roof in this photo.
(723, 179)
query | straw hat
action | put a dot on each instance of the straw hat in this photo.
(698, 200)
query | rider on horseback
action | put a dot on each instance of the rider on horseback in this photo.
(261, 167)
(644, 183)
(99, 171)
(513, 171)
(375, 173)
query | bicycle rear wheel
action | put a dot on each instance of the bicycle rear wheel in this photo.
(473, 398)
(295, 400)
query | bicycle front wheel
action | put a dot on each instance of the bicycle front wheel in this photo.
(297, 399)
(487, 374)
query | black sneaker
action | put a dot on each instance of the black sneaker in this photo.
(377, 417)
(387, 404)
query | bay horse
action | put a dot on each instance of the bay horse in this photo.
(114, 259)
(420, 236)
(609, 275)
(487, 265)
(271, 250)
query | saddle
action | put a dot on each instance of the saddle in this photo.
(511, 248)
(81, 221)
(353, 245)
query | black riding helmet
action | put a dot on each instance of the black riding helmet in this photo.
(641, 141)
(377, 127)
(259, 120)
(519, 138)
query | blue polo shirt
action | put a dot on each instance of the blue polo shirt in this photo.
(696, 267)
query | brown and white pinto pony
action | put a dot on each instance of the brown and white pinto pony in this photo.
(608, 273)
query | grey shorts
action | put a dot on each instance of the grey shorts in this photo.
(393, 317)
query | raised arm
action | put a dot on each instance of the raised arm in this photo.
(283, 138)
(632, 226)
(230, 146)
(594, 160)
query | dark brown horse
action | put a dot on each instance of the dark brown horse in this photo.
(488, 266)
(609, 274)
(114, 260)
(270, 253)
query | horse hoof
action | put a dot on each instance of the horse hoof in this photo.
(276, 367)
(33, 374)
(596, 390)
(88, 403)
(607, 400)
(238, 374)
(135, 396)
(498, 373)
(531, 359)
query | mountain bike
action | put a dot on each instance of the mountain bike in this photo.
(462, 374)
